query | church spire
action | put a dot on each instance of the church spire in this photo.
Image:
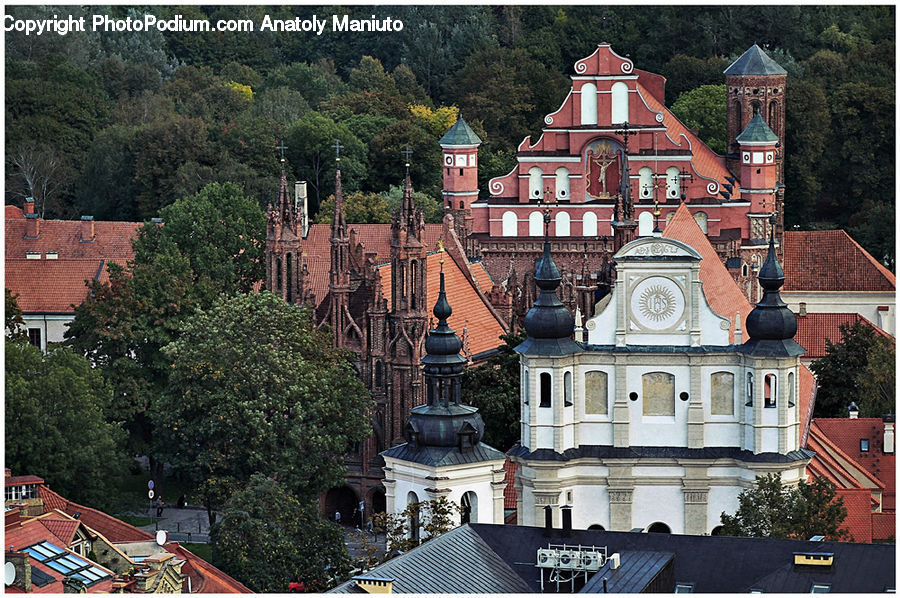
(338, 222)
(548, 323)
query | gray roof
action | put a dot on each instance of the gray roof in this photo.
(757, 131)
(659, 452)
(439, 456)
(459, 561)
(755, 62)
(637, 571)
(460, 134)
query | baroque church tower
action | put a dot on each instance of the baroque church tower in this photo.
(284, 238)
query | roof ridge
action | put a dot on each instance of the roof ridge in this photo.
(828, 443)
(881, 268)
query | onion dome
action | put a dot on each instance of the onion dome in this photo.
(548, 323)
(771, 326)
(443, 421)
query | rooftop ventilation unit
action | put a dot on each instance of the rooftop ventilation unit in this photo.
(568, 563)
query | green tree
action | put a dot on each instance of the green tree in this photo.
(771, 510)
(877, 383)
(267, 538)
(493, 387)
(255, 362)
(434, 517)
(15, 324)
(844, 372)
(54, 415)
(703, 109)
(359, 208)
(431, 208)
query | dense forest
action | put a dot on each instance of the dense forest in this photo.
(118, 125)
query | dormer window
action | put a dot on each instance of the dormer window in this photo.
(864, 445)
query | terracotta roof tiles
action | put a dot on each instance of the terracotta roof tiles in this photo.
(830, 260)
(510, 497)
(374, 237)
(109, 526)
(112, 240)
(859, 513)
(52, 286)
(814, 329)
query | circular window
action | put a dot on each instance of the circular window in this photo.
(684, 396)
(632, 396)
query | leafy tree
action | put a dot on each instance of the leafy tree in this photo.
(359, 208)
(493, 387)
(257, 362)
(267, 539)
(434, 517)
(107, 189)
(431, 208)
(54, 409)
(877, 383)
(15, 324)
(703, 109)
(844, 372)
(771, 510)
(684, 73)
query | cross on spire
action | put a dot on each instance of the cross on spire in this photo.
(281, 146)
(337, 150)
(406, 154)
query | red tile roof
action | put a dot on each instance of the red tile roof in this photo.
(510, 497)
(14, 212)
(706, 162)
(846, 433)
(884, 526)
(62, 528)
(112, 240)
(814, 329)
(472, 319)
(724, 296)
(830, 260)
(52, 286)
(859, 513)
(22, 479)
(205, 578)
(375, 237)
(113, 529)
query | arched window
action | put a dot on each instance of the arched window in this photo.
(770, 389)
(412, 505)
(721, 401)
(589, 104)
(717, 531)
(619, 103)
(510, 224)
(658, 393)
(645, 224)
(659, 528)
(562, 184)
(290, 282)
(567, 389)
(596, 393)
(589, 224)
(597, 527)
(749, 390)
(546, 389)
(462, 205)
(791, 389)
(535, 183)
(645, 182)
(469, 504)
(672, 189)
(535, 224)
(702, 221)
(562, 224)
(754, 108)
(773, 114)
(525, 399)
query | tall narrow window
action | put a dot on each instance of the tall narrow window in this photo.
(658, 393)
(469, 508)
(721, 401)
(510, 224)
(535, 224)
(645, 182)
(770, 390)
(619, 103)
(773, 114)
(567, 389)
(412, 503)
(595, 393)
(589, 104)
(546, 389)
(378, 375)
(589, 224)
(34, 337)
(535, 183)
(290, 278)
(749, 389)
(412, 284)
(672, 188)
(702, 221)
(562, 184)
(645, 224)
(562, 224)
(527, 386)
(791, 389)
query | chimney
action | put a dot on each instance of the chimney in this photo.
(300, 206)
(854, 410)
(548, 520)
(32, 226)
(87, 229)
(888, 447)
(28, 207)
(22, 563)
(802, 308)
(567, 520)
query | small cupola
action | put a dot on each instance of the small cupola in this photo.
(549, 323)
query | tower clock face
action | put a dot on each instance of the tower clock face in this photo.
(657, 303)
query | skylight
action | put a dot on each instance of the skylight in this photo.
(66, 563)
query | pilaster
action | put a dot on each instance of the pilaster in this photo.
(621, 495)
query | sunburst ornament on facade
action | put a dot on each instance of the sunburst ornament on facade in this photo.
(657, 303)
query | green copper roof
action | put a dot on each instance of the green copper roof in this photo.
(755, 62)
(460, 134)
(757, 131)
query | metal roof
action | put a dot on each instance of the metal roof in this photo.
(757, 131)
(460, 134)
(755, 62)
(440, 456)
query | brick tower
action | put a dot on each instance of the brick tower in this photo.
(756, 84)
(460, 159)
(283, 246)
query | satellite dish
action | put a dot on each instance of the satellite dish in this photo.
(162, 536)
(10, 571)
